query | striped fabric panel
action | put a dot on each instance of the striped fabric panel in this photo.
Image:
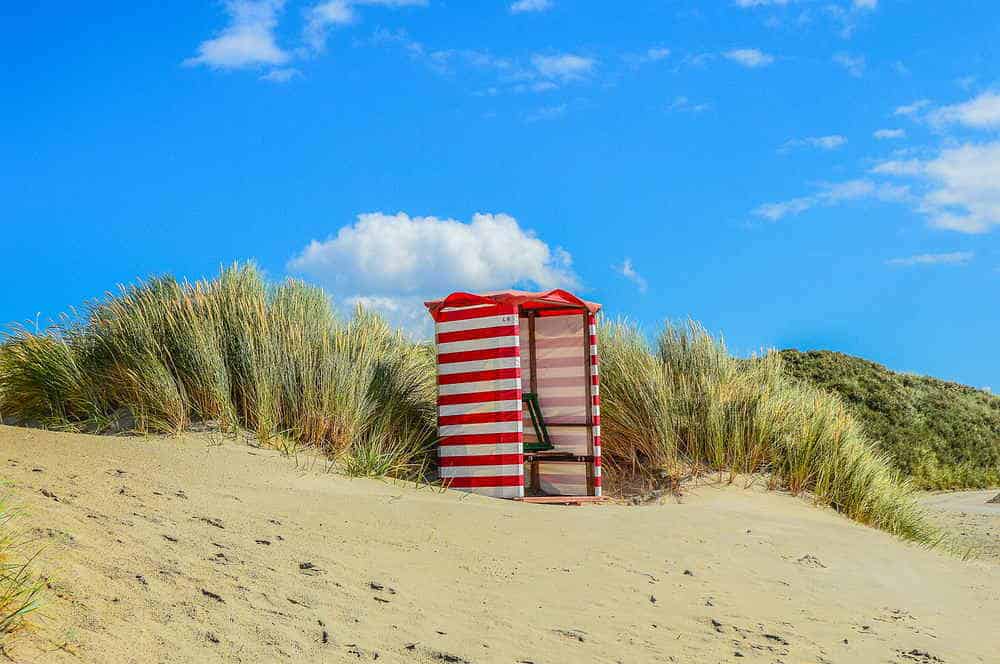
(480, 449)
(595, 406)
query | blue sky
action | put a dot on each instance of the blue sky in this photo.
(793, 173)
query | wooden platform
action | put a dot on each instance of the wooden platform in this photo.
(561, 500)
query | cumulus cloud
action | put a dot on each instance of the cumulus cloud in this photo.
(889, 134)
(523, 6)
(831, 142)
(982, 112)
(334, 13)
(854, 64)
(628, 271)
(563, 67)
(953, 258)
(393, 262)
(248, 40)
(749, 57)
(833, 194)
(961, 186)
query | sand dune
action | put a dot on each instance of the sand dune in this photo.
(186, 550)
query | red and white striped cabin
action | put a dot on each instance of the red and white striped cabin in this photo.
(495, 348)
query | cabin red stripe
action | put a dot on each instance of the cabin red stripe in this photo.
(483, 460)
(473, 482)
(478, 333)
(480, 418)
(476, 376)
(481, 439)
(479, 397)
(474, 312)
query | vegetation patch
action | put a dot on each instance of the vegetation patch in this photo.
(943, 435)
(238, 353)
(685, 400)
(20, 591)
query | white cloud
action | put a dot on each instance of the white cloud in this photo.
(281, 75)
(656, 54)
(760, 3)
(833, 194)
(334, 13)
(831, 142)
(888, 134)
(982, 112)
(630, 273)
(392, 262)
(522, 6)
(563, 67)
(912, 109)
(953, 258)
(684, 105)
(248, 40)
(866, 4)
(899, 167)
(962, 186)
(855, 65)
(546, 113)
(749, 57)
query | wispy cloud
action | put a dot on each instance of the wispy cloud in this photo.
(248, 40)
(889, 134)
(523, 6)
(749, 57)
(912, 109)
(953, 258)
(281, 75)
(831, 142)
(981, 112)
(563, 66)
(833, 194)
(546, 113)
(682, 104)
(854, 64)
(629, 272)
(321, 17)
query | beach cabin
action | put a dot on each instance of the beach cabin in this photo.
(519, 395)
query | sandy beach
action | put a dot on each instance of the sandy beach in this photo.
(198, 549)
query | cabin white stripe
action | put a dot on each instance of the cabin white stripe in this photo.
(487, 427)
(480, 386)
(479, 365)
(476, 323)
(479, 450)
(481, 407)
(513, 470)
(478, 344)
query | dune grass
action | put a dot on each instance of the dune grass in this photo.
(276, 360)
(686, 401)
(236, 352)
(20, 591)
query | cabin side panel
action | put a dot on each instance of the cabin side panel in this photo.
(480, 447)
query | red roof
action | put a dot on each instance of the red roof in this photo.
(553, 299)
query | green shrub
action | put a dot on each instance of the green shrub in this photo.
(943, 435)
